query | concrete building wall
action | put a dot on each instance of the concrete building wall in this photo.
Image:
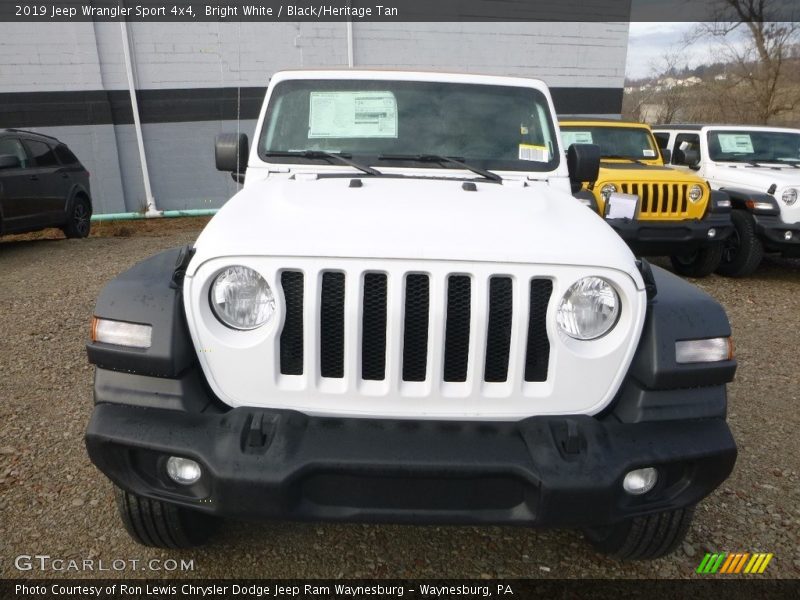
(194, 80)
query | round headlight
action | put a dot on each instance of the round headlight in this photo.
(789, 196)
(589, 309)
(695, 193)
(607, 190)
(241, 298)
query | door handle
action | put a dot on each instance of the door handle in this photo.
(33, 177)
(65, 176)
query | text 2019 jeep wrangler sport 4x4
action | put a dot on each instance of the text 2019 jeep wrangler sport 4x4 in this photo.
(405, 316)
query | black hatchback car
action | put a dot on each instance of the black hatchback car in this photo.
(42, 184)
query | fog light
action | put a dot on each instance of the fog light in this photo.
(787, 235)
(640, 481)
(712, 233)
(184, 471)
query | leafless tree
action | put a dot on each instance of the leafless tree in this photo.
(762, 50)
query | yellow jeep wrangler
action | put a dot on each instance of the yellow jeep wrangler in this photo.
(655, 209)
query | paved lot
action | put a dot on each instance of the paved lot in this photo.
(54, 502)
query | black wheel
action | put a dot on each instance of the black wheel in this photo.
(79, 219)
(701, 263)
(162, 525)
(742, 251)
(643, 538)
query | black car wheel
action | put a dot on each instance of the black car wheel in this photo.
(643, 538)
(79, 219)
(700, 263)
(162, 525)
(742, 251)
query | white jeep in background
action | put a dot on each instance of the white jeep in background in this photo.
(405, 316)
(759, 168)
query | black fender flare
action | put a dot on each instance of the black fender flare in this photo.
(148, 293)
(656, 386)
(740, 196)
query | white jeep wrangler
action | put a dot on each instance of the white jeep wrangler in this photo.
(406, 316)
(759, 168)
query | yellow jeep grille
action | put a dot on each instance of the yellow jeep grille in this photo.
(659, 200)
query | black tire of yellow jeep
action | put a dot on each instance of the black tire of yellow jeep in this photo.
(160, 524)
(643, 538)
(701, 263)
(742, 251)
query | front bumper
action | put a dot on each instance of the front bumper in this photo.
(547, 471)
(672, 237)
(772, 230)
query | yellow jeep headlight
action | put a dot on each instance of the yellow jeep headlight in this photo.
(695, 193)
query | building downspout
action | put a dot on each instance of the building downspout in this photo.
(350, 61)
(150, 209)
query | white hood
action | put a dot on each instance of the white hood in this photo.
(761, 179)
(412, 219)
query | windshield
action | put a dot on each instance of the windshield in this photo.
(633, 143)
(486, 126)
(753, 146)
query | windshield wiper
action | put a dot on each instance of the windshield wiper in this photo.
(443, 160)
(330, 156)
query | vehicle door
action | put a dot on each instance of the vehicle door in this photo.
(19, 189)
(54, 181)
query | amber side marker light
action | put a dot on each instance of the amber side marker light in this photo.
(704, 351)
(120, 333)
(759, 205)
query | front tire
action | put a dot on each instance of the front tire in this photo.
(78, 222)
(701, 263)
(162, 525)
(742, 251)
(643, 538)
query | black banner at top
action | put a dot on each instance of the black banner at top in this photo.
(396, 10)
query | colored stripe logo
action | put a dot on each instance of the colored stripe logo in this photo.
(732, 563)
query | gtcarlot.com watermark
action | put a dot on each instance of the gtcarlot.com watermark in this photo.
(47, 563)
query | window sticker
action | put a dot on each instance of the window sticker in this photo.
(352, 115)
(576, 137)
(533, 153)
(647, 152)
(735, 143)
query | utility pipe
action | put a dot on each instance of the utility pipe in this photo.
(350, 61)
(150, 210)
(131, 216)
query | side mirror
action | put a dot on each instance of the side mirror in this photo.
(231, 151)
(583, 162)
(666, 155)
(686, 158)
(9, 161)
(692, 159)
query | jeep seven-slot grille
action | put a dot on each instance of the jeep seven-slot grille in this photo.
(457, 311)
(671, 199)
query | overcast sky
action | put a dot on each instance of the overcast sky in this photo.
(648, 42)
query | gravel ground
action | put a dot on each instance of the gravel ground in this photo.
(54, 502)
